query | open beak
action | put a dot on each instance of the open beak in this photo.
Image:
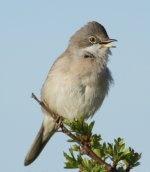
(106, 44)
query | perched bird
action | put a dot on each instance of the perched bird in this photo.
(77, 83)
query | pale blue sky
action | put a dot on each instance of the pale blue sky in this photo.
(32, 35)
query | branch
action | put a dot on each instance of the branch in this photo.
(84, 146)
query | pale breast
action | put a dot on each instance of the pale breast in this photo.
(71, 95)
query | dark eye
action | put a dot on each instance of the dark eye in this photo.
(92, 40)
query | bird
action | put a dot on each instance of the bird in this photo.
(77, 82)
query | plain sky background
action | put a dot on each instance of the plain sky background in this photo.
(33, 34)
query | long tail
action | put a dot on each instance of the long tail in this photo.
(45, 133)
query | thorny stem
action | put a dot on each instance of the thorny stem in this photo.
(84, 146)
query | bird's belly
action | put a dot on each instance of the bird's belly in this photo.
(71, 99)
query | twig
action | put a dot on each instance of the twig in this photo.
(85, 147)
(50, 112)
(128, 170)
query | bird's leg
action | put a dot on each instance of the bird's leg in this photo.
(58, 122)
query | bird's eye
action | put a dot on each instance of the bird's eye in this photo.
(92, 40)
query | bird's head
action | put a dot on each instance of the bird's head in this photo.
(92, 38)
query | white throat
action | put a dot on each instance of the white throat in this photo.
(100, 53)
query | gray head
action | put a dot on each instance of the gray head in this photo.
(91, 42)
(92, 33)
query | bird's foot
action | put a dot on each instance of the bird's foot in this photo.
(58, 121)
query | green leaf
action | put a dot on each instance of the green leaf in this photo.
(120, 157)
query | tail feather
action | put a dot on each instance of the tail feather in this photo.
(38, 145)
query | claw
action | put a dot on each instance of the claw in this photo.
(58, 122)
